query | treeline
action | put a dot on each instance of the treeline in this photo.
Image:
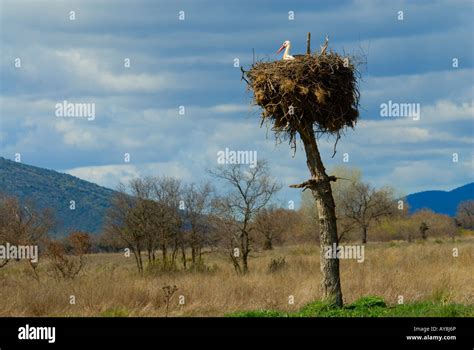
(167, 225)
(161, 215)
(182, 221)
(365, 213)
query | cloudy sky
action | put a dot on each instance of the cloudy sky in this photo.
(190, 63)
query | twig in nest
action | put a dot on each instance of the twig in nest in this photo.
(243, 76)
(335, 144)
(324, 48)
(308, 44)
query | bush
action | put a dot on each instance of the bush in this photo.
(408, 228)
(276, 265)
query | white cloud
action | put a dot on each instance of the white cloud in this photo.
(390, 132)
(76, 135)
(406, 130)
(447, 111)
(413, 88)
(111, 175)
(437, 173)
(230, 108)
(88, 70)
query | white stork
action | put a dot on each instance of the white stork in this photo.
(287, 46)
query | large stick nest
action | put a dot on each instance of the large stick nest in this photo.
(318, 90)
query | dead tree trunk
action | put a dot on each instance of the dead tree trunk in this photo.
(174, 253)
(183, 255)
(193, 254)
(245, 251)
(137, 253)
(321, 188)
(364, 234)
(165, 255)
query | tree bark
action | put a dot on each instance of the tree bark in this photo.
(268, 245)
(331, 283)
(138, 258)
(193, 254)
(245, 252)
(164, 253)
(174, 253)
(149, 256)
(183, 255)
(364, 234)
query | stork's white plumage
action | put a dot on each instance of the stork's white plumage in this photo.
(287, 46)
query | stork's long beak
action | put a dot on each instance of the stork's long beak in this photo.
(281, 48)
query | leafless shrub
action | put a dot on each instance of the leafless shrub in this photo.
(168, 292)
(64, 265)
(276, 264)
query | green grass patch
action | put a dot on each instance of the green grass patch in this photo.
(369, 306)
(258, 313)
(115, 312)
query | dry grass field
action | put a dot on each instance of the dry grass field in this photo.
(110, 286)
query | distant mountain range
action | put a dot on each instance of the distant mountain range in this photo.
(50, 189)
(442, 202)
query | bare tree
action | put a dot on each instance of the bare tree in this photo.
(23, 223)
(465, 214)
(227, 229)
(197, 207)
(271, 224)
(168, 222)
(142, 215)
(363, 204)
(250, 190)
(122, 224)
(320, 186)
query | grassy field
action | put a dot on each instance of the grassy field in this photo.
(370, 306)
(431, 280)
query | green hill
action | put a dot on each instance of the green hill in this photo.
(50, 189)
